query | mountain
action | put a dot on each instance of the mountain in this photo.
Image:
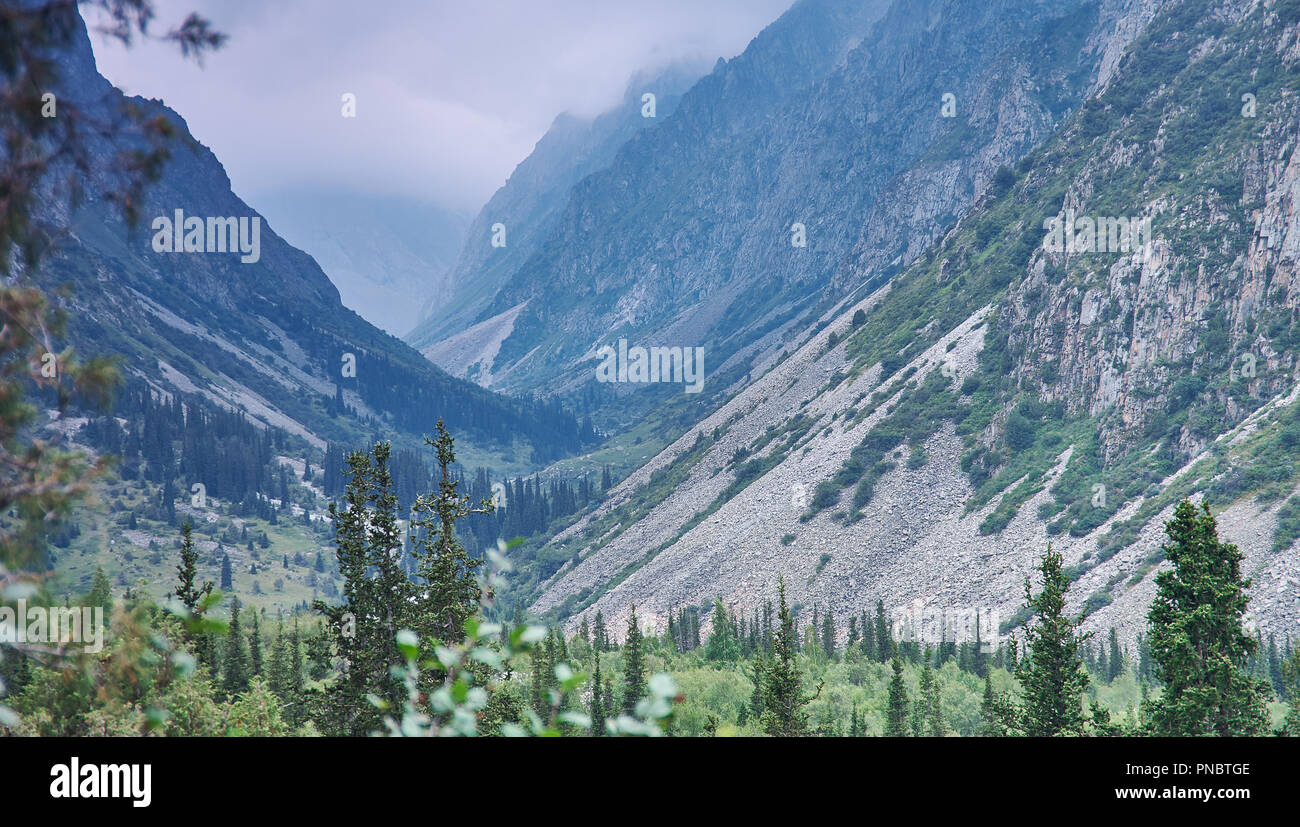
(452, 331)
(832, 119)
(383, 253)
(262, 332)
(925, 443)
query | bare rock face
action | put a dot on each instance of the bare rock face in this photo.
(1126, 379)
(872, 126)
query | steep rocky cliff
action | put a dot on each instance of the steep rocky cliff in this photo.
(872, 126)
(1002, 393)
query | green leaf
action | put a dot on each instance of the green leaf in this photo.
(408, 644)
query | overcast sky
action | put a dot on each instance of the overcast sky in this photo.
(450, 95)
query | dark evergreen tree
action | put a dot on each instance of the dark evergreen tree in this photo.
(929, 698)
(378, 599)
(634, 678)
(235, 663)
(722, 645)
(192, 596)
(448, 593)
(884, 638)
(599, 634)
(1197, 642)
(1116, 659)
(1051, 675)
(254, 648)
(101, 593)
(783, 701)
(598, 704)
(896, 712)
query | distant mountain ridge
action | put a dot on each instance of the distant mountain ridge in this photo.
(831, 119)
(383, 253)
(270, 338)
(528, 205)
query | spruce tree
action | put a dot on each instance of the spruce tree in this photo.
(599, 635)
(378, 599)
(1051, 675)
(598, 704)
(449, 592)
(756, 697)
(634, 679)
(1197, 642)
(227, 575)
(235, 663)
(190, 595)
(1116, 657)
(782, 693)
(101, 592)
(295, 659)
(930, 700)
(277, 669)
(884, 639)
(896, 712)
(254, 648)
(1291, 677)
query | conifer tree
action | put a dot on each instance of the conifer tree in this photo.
(598, 704)
(599, 635)
(1275, 668)
(277, 668)
(254, 649)
(756, 697)
(722, 644)
(1291, 677)
(191, 596)
(449, 591)
(378, 599)
(235, 663)
(1116, 659)
(634, 679)
(988, 710)
(295, 659)
(539, 681)
(227, 575)
(101, 593)
(1197, 642)
(884, 640)
(930, 701)
(1051, 675)
(896, 712)
(782, 694)
(828, 634)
